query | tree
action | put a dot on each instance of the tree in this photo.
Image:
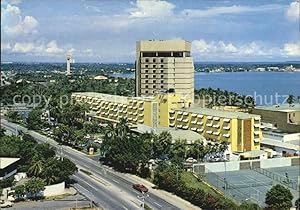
(249, 206)
(161, 144)
(36, 167)
(196, 150)
(20, 192)
(297, 204)
(2, 132)
(290, 100)
(279, 197)
(34, 186)
(178, 152)
(14, 116)
(34, 120)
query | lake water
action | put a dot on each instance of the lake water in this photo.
(265, 87)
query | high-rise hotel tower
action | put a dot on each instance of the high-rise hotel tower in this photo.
(164, 65)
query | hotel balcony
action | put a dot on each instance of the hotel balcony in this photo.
(200, 116)
(194, 115)
(179, 113)
(185, 127)
(216, 133)
(141, 114)
(209, 132)
(185, 120)
(141, 109)
(172, 124)
(200, 129)
(256, 140)
(209, 125)
(193, 129)
(226, 128)
(172, 118)
(179, 119)
(199, 123)
(141, 121)
(194, 121)
(185, 113)
(257, 125)
(209, 117)
(226, 120)
(227, 135)
(216, 118)
(216, 126)
(172, 111)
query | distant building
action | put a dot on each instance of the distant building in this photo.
(284, 117)
(163, 65)
(240, 130)
(8, 167)
(100, 77)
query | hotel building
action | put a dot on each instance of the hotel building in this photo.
(240, 130)
(163, 65)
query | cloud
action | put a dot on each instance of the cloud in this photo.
(152, 8)
(14, 24)
(219, 49)
(215, 11)
(5, 47)
(35, 48)
(293, 10)
(52, 48)
(292, 49)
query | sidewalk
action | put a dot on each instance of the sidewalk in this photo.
(169, 197)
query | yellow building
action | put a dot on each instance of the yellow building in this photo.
(240, 130)
(162, 65)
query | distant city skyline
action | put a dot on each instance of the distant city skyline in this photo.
(107, 31)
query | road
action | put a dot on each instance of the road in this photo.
(106, 187)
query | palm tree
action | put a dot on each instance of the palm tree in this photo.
(36, 168)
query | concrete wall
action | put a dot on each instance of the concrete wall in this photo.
(56, 189)
(246, 164)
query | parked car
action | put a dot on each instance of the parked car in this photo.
(139, 187)
(5, 204)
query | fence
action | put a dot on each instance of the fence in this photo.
(227, 188)
(279, 178)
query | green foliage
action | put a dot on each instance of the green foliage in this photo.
(291, 99)
(14, 116)
(249, 206)
(161, 144)
(34, 186)
(34, 120)
(6, 182)
(279, 197)
(20, 192)
(297, 204)
(170, 178)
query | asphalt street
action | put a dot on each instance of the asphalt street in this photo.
(115, 193)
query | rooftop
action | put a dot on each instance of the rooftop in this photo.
(111, 98)
(6, 161)
(188, 135)
(219, 113)
(281, 108)
(276, 143)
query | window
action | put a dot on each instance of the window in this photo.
(146, 76)
(161, 66)
(149, 54)
(154, 86)
(154, 60)
(162, 86)
(147, 60)
(146, 66)
(161, 81)
(154, 76)
(164, 54)
(154, 81)
(161, 60)
(146, 86)
(146, 91)
(154, 66)
(154, 71)
(177, 54)
(146, 81)
(161, 76)
(146, 71)
(161, 71)
(153, 91)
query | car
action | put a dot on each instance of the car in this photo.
(5, 204)
(141, 188)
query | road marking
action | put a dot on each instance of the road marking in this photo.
(86, 183)
(125, 208)
(157, 204)
(115, 181)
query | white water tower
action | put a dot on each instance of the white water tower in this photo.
(69, 61)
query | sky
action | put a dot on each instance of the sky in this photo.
(106, 31)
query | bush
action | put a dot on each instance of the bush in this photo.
(279, 197)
